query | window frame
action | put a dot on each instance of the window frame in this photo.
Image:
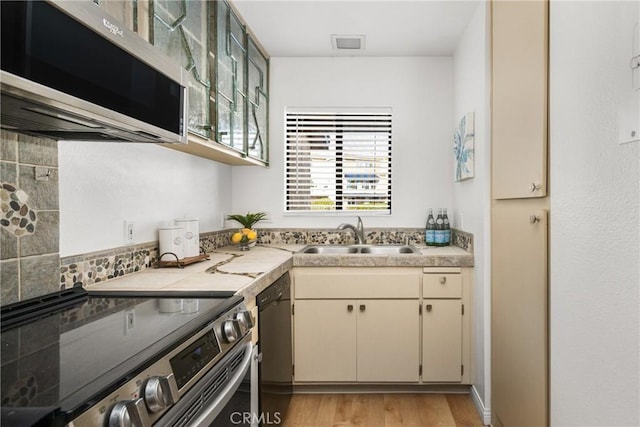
(341, 170)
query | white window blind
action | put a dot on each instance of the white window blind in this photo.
(338, 161)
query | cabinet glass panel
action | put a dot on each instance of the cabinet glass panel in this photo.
(225, 64)
(180, 30)
(230, 79)
(239, 123)
(225, 113)
(125, 11)
(258, 102)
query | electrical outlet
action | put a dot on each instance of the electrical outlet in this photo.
(129, 232)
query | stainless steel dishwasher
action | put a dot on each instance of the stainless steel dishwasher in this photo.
(274, 344)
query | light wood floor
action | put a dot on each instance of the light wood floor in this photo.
(382, 410)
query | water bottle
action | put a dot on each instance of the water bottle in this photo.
(447, 228)
(439, 229)
(430, 230)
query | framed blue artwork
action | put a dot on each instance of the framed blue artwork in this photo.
(463, 148)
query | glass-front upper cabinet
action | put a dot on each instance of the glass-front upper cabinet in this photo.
(258, 118)
(181, 31)
(231, 79)
(228, 75)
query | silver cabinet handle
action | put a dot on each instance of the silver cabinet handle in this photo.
(363, 307)
(534, 218)
(350, 308)
(533, 187)
(443, 280)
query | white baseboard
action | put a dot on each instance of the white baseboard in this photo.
(485, 414)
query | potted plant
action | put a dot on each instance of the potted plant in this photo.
(247, 235)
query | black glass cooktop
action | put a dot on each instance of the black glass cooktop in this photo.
(64, 360)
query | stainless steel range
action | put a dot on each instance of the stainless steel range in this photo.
(137, 360)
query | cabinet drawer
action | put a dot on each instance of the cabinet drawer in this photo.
(332, 283)
(442, 285)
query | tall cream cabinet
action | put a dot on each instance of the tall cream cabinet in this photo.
(519, 219)
(519, 94)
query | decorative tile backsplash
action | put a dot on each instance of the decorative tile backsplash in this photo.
(29, 217)
(85, 270)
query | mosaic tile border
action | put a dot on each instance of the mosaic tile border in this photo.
(87, 269)
(397, 236)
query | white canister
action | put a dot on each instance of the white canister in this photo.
(191, 240)
(171, 240)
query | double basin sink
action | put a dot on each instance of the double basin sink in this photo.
(359, 249)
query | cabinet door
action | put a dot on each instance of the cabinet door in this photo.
(231, 98)
(519, 345)
(442, 340)
(181, 31)
(519, 100)
(325, 340)
(388, 340)
(257, 90)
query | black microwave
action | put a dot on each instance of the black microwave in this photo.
(70, 71)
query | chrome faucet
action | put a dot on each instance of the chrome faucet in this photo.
(358, 231)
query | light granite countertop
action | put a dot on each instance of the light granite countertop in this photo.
(249, 272)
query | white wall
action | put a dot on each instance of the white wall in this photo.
(471, 198)
(104, 184)
(419, 91)
(595, 219)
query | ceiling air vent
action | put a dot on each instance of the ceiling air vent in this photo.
(347, 42)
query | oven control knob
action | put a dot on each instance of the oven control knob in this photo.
(129, 413)
(245, 320)
(230, 331)
(160, 392)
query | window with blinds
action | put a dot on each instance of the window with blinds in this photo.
(338, 161)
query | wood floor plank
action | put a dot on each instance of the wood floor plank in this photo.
(382, 410)
(344, 410)
(401, 410)
(434, 410)
(368, 410)
(463, 410)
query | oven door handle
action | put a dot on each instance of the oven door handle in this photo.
(208, 414)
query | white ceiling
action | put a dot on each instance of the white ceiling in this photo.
(392, 27)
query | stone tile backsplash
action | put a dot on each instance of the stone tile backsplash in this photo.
(85, 270)
(30, 216)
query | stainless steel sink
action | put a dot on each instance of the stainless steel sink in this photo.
(359, 249)
(328, 249)
(388, 249)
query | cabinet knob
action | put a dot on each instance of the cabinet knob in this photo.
(533, 187)
(443, 280)
(534, 218)
(350, 308)
(363, 307)
(429, 307)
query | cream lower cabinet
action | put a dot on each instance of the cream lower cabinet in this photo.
(356, 325)
(445, 325)
(325, 340)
